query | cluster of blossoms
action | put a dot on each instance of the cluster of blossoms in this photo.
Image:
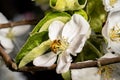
(67, 39)
(111, 33)
(70, 38)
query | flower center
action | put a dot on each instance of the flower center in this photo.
(10, 34)
(59, 45)
(106, 71)
(112, 2)
(115, 33)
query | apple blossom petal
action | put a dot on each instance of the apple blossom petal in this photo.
(45, 60)
(113, 16)
(81, 45)
(55, 29)
(20, 30)
(83, 40)
(92, 74)
(114, 47)
(7, 44)
(77, 25)
(76, 44)
(105, 30)
(63, 62)
(3, 20)
(108, 55)
(4, 32)
(107, 5)
(111, 5)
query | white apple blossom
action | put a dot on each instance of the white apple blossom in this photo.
(111, 32)
(85, 74)
(95, 73)
(111, 4)
(66, 39)
(112, 71)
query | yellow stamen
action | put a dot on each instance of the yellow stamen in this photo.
(112, 2)
(115, 33)
(59, 45)
(106, 71)
(10, 34)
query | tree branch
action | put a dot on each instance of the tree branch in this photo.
(12, 65)
(7, 59)
(23, 22)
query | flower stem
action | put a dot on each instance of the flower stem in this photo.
(94, 48)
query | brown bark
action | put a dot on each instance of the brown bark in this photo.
(13, 24)
(12, 65)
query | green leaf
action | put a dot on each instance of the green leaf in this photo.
(32, 42)
(96, 13)
(89, 52)
(48, 19)
(97, 40)
(93, 48)
(35, 52)
(67, 5)
(67, 75)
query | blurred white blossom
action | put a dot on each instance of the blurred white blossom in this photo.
(5, 41)
(9, 38)
(9, 35)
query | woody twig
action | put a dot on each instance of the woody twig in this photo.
(7, 59)
(12, 65)
(23, 22)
